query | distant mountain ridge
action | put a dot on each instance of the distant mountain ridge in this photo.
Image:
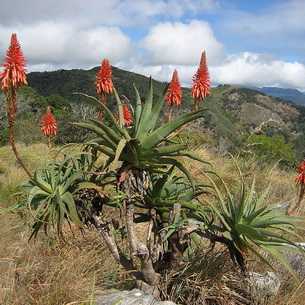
(287, 94)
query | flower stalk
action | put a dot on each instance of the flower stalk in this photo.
(201, 82)
(11, 79)
(174, 94)
(104, 84)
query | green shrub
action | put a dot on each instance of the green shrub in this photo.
(271, 148)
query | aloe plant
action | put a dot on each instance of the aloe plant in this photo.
(146, 145)
(248, 223)
(51, 192)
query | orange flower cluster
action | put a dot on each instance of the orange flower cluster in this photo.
(300, 179)
(127, 115)
(174, 92)
(201, 81)
(48, 124)
(14, 74)
(103, 82)
(200, 88)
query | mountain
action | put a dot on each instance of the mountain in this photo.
(292, 95)
(235, 116)
(67, 82)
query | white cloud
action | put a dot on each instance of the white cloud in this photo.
(164, 72)
(182, 43)
(259, 70)
(249, 69)
(50, 43)
(106, 12)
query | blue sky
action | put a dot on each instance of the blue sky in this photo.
(257, 43)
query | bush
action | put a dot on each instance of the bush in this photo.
(271, 149)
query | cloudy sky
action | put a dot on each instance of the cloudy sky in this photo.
(258, 42)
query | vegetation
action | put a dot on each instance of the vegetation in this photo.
(271, 148)
(155, 203)
(140, 178)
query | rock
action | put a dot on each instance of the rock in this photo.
(263, 286)
(133, 297)
(296, 259)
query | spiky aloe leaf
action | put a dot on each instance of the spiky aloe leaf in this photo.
(146, 112)
(180, 166)
(118, 153)
(169, 149)
(112, 134)
(120, 107)
(138, 109)
(67, 198)
(99, 131)
(88, 185)
(109, 113)
(164, 131)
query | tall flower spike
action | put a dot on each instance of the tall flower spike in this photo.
(12, 77)
(48, 123)
(103, 82)
(14, 73)
(127, 115)
(174, 92)
(201, 81)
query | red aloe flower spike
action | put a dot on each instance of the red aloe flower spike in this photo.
(48, 125)
(127, 115)
(201, 81)
(174, 91)
(103, 82)
(14, 73)
(300, 179)
(11, 78)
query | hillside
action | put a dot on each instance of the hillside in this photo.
(235, 116)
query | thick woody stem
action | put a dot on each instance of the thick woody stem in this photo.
(140, 250)
(132, 238)
(175, 240)
(111, 244)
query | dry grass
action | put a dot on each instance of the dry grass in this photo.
(209, 279)
(46, 272)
